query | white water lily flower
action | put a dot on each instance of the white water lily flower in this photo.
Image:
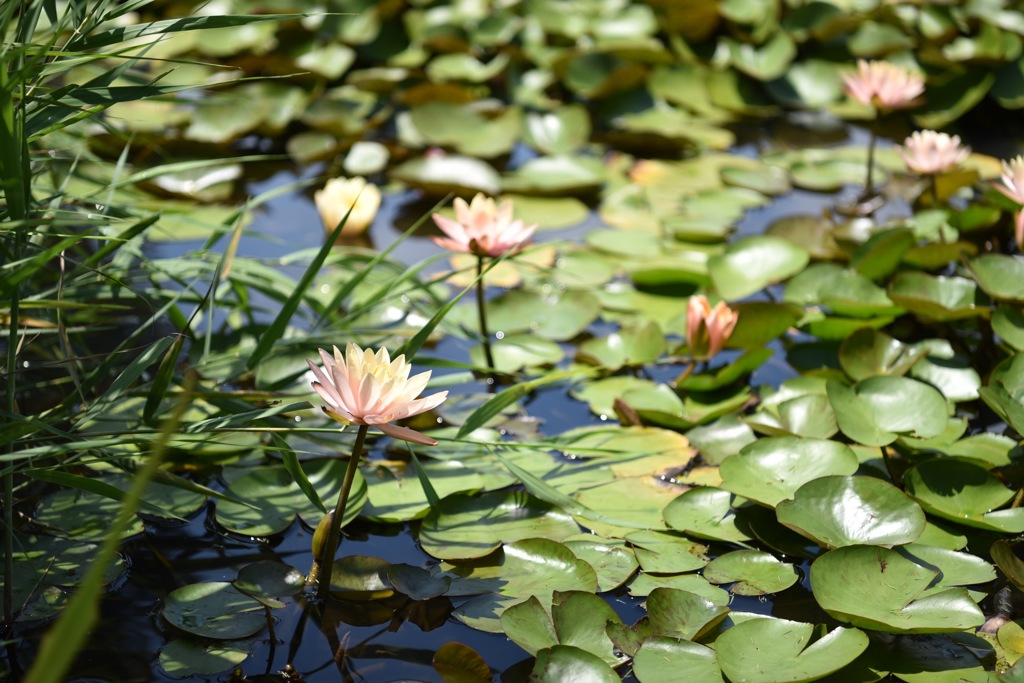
(364, 388)
(341, 194)
(930, 153)
(1013, 187)
(483, 227)
(884, 85)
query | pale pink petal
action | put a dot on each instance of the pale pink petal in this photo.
(406, 434)
(421, 405)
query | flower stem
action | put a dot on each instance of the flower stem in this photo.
(934, 185)
(869, 186)
(481, 310)
(326, 561)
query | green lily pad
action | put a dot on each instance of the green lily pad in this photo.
(361, 577)
(749, 265)
(780, 651)
(556, 175)
(875, 411)
(881, 589)
(946, 371)
(680, 614)
(82, 515)
(1008, 323)
(881, 253)
(398, 496)
(269, 579)
(720, 439)
(566, 663)
(937, 298)
(439, 175)
(636, 344)
(278, 498)
(182, 658)
(963, 492)
(611, 560)
(517, 351)
(707, 512)
(577, 619)
(661, 659)
(838, 511)
(1005, 391)
(417, 583)
(462, 526)
(562, 131)
(771, 470)
(214, 610)
(555, 316)
(665, 552)
(643, 584)
(867, 353)
(461, 663)
(1001, 276)
(751, 572)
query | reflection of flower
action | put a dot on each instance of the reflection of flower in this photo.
(707, 329)
(340, 194)
(1013, 187)
(364, 388)
(483, 227)
(929, 153)
(884, 85)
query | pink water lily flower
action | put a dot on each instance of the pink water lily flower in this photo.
(1013, 187)
(483, 227)
(884, 85)
(363, 388)
(930, 153)
(707, 328)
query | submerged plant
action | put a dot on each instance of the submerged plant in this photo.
(352, 200)
(883, 86)
(1013, 187)
(366, 389)
(487, 230)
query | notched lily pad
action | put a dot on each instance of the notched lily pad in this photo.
(881, 589)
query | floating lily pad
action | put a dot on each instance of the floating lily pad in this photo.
(462, 526)
(937, 298)
(877, 410)
(458, 662)
(867, 353)
(883, 590)
(963, 492)
(577, 618)
(663, 552)
(182, 658)
(439, 175)
(1001, 276)
(680, 614)
(751, 572)
(214, 610)
(643, 584)
(517, 351)
(753, 263)
(771, 470)
(707, 512)
(837, 511)
(564, 662)
(269, 579)
(1008, 323)
(612, 561)
(558, 316)
(780, 651)
(633, 345)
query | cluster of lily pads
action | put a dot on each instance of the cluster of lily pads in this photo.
(838, 435)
